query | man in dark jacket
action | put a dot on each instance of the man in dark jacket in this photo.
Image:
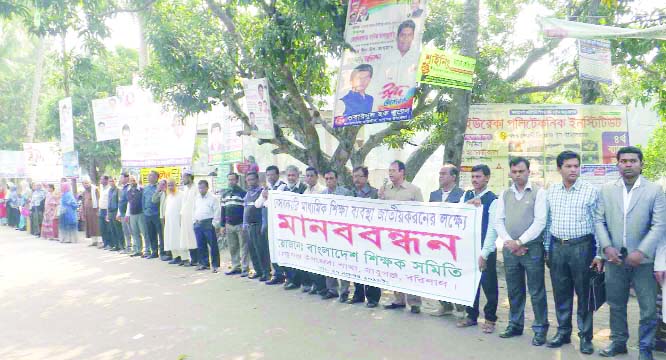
(448, 192)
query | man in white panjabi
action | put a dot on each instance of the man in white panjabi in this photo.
(188, 241)
(172, 229)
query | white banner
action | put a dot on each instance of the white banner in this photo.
(377, 78)
(258, 105)
(595, 60)
(151, 136)
(12, 164)
(43, 161)
(557, 28)
(66, 125)
(425, 249)
(106, 113)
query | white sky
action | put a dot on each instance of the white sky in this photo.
(125, 32)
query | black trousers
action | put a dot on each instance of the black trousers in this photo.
(362, 292)
(259, 243)
(570, 271)
(530, 266)
(489, 285)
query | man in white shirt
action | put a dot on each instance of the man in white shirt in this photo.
(206, 216)
(402, 61)
(104, 227)
(520, 229)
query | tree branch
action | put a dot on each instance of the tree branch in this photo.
(545, 88)
(145, 7)
(534, 55)
(417, 158)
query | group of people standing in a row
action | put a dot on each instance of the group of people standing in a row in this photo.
(42, 210)
(572, 228)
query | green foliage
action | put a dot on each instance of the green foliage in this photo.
(653, 154)
(92, 78)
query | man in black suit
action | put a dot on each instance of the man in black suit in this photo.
(448, 192)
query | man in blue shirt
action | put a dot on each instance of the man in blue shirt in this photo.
(357, 101)
(151, 215)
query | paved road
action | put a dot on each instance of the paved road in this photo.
(70, 301)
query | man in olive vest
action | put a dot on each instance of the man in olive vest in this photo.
(521, 218)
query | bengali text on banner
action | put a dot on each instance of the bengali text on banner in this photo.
(425, 249)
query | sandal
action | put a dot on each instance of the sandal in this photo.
(488, 327)
(466, 322)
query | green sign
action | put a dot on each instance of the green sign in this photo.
(443, 68)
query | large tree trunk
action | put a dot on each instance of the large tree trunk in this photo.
(461, 99)
(36, 89)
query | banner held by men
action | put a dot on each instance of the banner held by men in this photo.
(425, 249)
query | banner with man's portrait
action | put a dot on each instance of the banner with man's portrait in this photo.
(151, 135)
(66, 124)
(106, 114)
(377, 79)
(258, 105)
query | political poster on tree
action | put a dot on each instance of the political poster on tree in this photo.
(66, 125)
(106, 113)
(377, 78)
(258, 105)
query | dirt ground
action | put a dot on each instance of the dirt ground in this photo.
(71, 301)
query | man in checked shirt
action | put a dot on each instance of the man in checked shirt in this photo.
(571, 249)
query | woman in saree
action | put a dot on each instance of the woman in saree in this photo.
(50, 222)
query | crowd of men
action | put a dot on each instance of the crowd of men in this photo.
(576, 230)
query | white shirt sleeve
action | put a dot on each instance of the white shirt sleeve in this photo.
(660, 258)
(540, 215)
(218, 212)
(489, 245)
(500, 227)
(260, 202)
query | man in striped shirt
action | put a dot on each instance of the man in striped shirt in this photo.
(571, 249)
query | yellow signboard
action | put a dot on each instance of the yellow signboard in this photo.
(166, 172)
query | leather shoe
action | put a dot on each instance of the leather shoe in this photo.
(558, 340)
(175, 261)
(274, 281)
(510, 332)
(586, 347)
(343, 297)
(371, 305)
(291, 286)
(392, 306)
(313, 291)
(645, 355)
(539, 339)
(329, 295)
(244, 274)
(613, 349)
(306, 289)
(415, 309)
(263, 278)
(233, 272)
